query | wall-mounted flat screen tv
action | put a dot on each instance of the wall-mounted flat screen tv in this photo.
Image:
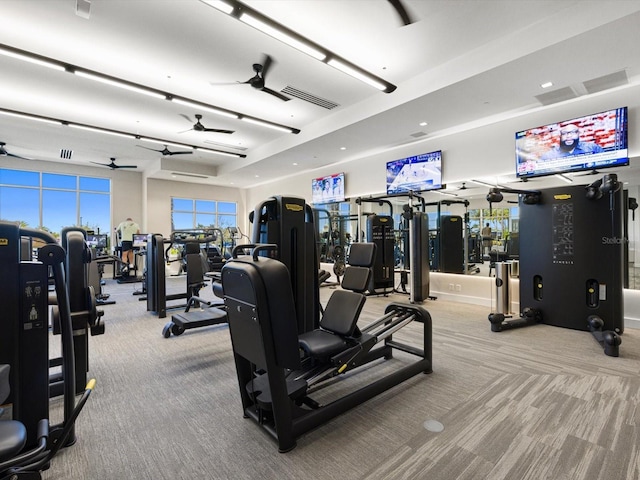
(328, 189)
(415, 174)
(585, 143)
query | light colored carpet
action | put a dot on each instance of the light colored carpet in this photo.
(540, 402)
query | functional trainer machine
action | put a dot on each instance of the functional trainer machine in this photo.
(574, 279)
(27, 442)
(275, 384)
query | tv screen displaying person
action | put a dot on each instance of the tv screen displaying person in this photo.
(570, 144)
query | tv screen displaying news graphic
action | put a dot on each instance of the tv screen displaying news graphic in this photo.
(415, 174)
(97, 241)
(139, 240)
(591, 142)
(328, 189)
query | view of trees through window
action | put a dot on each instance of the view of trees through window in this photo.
(51, 201)
(187, 213)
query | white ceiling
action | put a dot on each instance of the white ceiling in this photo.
(464, 62)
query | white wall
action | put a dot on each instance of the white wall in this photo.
(472, 151)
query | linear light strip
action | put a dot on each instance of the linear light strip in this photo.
(189, 103)
(343, 67)
(29, 117)
(264, 124)
(272, 28)
(33, 58)
(91, 128)
(281, 35)
(119, 84)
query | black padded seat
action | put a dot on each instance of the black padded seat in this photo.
(337, 325)
(13, 438)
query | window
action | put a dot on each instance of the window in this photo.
(52, 201)
(192, 213)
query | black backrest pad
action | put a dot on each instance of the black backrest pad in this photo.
(342, 312)
(362, 254)
(261, 311)
(356, 278)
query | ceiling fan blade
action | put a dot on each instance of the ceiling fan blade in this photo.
(185, 131)
(266, 65)
(275, 94)
(103, 164)
(216, 130)
(237, 82)
(18, 156)
(180, 153)
(125, 166)
(402, 12)
(186, 117)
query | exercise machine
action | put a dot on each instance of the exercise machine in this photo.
(24, 348)
(289, 223)
(155, 277)
(571, 259)
(275, 383)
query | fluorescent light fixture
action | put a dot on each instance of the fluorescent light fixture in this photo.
(219, 5)
(343, 67)
(100, 130)
(162, 142)
(265, 124)
(226, 154)
(485, 184)
(282, 36)
(199, 106)
(546, 84)
(563, 177)
(30, 59)
(30, 117)
(116, 83)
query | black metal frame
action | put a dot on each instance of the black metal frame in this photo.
(273, 383)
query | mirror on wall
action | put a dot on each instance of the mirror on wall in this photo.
(339, 224)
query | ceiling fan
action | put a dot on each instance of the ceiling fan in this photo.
(590, 172)
(4, 153)
(166, 152)
(402, 12)
(113, 165)
(199, 127)
(258, 80)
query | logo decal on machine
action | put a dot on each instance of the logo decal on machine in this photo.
(4, 242)
(563, 196)
(294, 207)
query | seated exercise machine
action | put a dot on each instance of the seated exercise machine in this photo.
(27, 442)
(275, 383)
(571, 260)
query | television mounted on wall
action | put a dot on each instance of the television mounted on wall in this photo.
(328, 189)
(585, 143)
(415, 174)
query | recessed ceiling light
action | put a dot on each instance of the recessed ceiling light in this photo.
(423, 124)
(343, 148)
(257, 176)
(546, 85)
(295, 164)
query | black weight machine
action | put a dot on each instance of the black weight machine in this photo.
(288, 222)
(275, 383)
(155, 277)
(574, 278)
(27, 441)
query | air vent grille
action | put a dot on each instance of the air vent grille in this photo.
(606, 82)
(556, 96)
(418, 134)
(308, 97)
(66, 154)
